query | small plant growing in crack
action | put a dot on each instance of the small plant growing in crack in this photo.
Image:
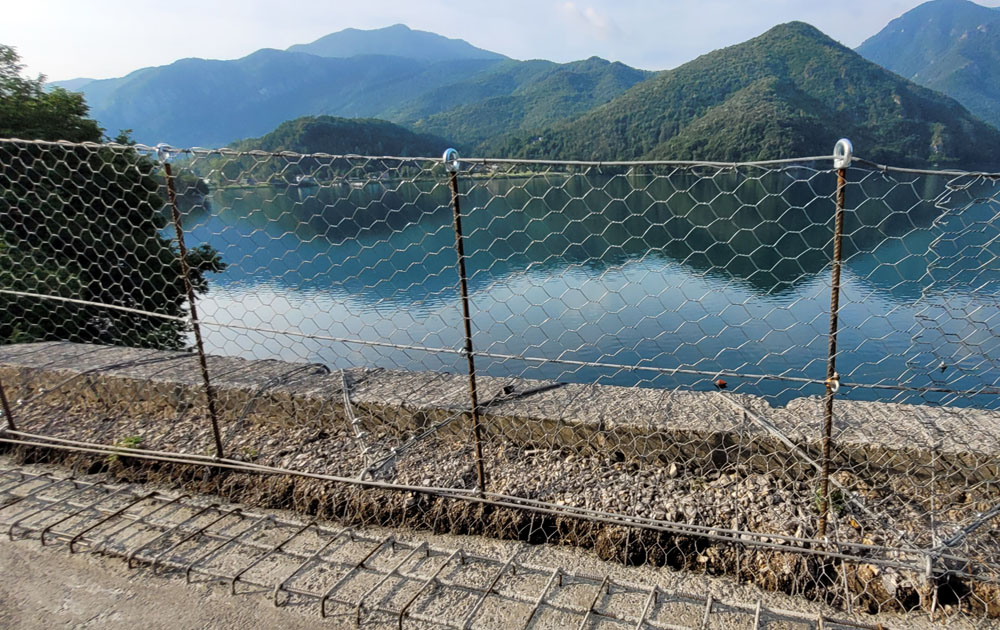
(249, 453)
(131, 441)
(837, 501)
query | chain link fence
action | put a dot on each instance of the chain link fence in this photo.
(785, 371)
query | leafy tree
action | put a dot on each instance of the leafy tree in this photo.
(83, 223)
(28, 111)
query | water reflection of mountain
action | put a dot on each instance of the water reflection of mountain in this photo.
(722, 273)
(396, 242)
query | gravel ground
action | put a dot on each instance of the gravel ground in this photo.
(693, 493)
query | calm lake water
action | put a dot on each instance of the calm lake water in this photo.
(723, 273)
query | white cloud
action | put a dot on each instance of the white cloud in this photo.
(597, 24)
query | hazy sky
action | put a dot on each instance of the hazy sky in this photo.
(106, 38)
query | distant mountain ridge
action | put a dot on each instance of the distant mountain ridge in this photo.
(791, 91)
(952, 46)
(398, 40)
(200, 102)
(73, 85)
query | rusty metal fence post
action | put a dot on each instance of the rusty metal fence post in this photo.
(842, 153)
(5, 407)
(451, 163)
(186, 272)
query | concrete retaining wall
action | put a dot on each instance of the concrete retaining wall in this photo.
(649, 425)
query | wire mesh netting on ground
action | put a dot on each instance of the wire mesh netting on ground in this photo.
(383, 577)
(635, 357)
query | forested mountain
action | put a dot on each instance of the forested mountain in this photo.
(952, 46)
(198, 102)
(426, 81)
(517, 95)
(791, 91)
(398, 40)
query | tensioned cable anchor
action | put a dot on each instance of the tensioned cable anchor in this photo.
(833, 383)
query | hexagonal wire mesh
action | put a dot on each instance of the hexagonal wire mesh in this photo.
(629, 356)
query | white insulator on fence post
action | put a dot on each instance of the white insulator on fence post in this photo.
(843, 152)
(164, 152)
(451, 160)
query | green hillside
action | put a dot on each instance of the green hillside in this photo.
(791, 91)
(952, 46)
(320, 134)
(339, 136)
(518, 95)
